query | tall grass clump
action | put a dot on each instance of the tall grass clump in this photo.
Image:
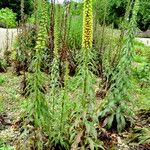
(117, 110)
(37, 104)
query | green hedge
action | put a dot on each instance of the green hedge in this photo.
(7, 18)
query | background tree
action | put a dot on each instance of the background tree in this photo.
(116, 11)
(15, 5)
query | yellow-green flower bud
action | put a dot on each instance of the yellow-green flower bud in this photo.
(87, 35)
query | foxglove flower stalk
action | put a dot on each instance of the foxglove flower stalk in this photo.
(87, 35)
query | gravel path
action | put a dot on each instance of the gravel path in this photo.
(6, 38)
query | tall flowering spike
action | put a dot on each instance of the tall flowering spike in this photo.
(42, 32)
(37, 98)
(87, 35)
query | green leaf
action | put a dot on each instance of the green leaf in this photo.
(110, 121)
(91, 144)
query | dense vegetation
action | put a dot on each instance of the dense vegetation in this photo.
(116, 11)
(7, 18)
(74, 81)
(15, 6)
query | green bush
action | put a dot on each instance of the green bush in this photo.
(7, 18)
(141, 69)
(3, 65)
(15, 6)
(31, 19)
(2, 80)
(5, 147)
(115, 10)
(141, 72)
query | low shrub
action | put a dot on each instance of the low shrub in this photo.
(3, 65)
(141, 69)
(7, 18)
(2, 80)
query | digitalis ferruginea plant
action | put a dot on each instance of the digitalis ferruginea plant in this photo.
(87, 35)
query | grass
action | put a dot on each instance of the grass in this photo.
(2, 79)
(6, 147)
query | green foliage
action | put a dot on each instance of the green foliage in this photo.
(31, 19)
(38, 107)
(3, 65)
(64, 116)
(142, 135)
(116, 10)
(143, 15)
(76, 8)
(141, 69)
(141, 76)
(23, 47)
(2, 80)
(69, 106)
(7, 18)
(142, 73)
(117, 110)
(75, 35)
(59, 124)
(83, 129)
(2, 104)
(60, 110)
(6, 147)
(15, 5)
(75, 28)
